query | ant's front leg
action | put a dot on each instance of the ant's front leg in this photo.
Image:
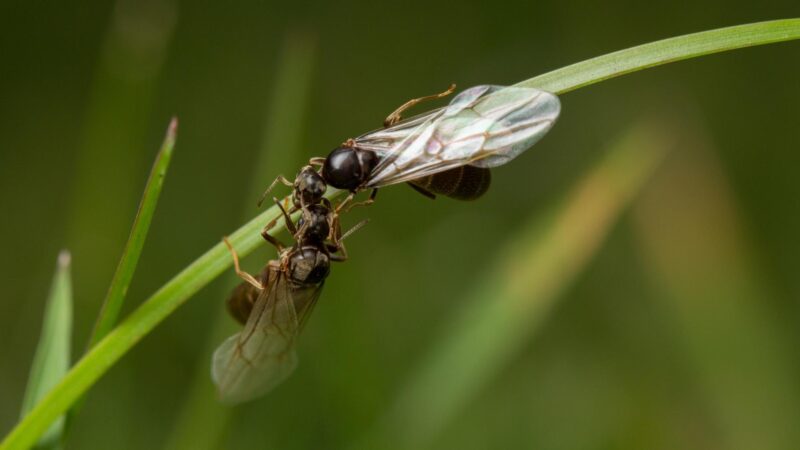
(317, 161)
(280, 179)
(289, 225)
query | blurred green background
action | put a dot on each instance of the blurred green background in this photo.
(676, 327)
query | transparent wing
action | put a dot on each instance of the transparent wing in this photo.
(255, 360)
(484, 126)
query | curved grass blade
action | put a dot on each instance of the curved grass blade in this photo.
(131, 330)
(515, 298)
(665, 51)
(208, 266)
(52, 358)
(124, 89)
(109, 312)
(133, 248)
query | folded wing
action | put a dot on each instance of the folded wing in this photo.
(484, 126)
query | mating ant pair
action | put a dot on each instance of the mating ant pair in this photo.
(448, 151)
(317, 236)
(275, 306)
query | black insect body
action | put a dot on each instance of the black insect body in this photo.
(447, 151)
(274, 306)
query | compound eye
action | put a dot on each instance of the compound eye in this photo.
(342, 168)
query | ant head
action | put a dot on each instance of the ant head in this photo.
(308, 186)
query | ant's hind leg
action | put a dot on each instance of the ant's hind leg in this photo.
(242, 274)
(396, 116)
(367, 202)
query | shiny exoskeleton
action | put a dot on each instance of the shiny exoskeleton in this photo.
(306, 263)
(274, 307)
(308, 187)
(349, 167)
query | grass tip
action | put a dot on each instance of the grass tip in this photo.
(64, 258)
(172, 130)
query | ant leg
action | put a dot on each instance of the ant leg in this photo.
(288, 219)
(344, 202)
(396, 116)
(366, 202)
(422, 191)
(306, 218)
(280, 179)
(274, 221)
(341, 257)
(317, 161)
(273, 240)
(242, 274)
(265, 231)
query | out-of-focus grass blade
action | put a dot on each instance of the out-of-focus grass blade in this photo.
(133, 248)
(286, 111)
(134, 327)
(109, 313)
(526, 280)
(203, 420)
(52, 357)
(694, 245)
(117, 121)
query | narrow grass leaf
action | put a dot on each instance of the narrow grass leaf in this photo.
(695, 248)
(216, 260)
(52, 357)
(654, 54)
(130, 331)
(133, 248)
(109, 313)
(120, 103)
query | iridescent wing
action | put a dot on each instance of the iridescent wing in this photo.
(484, 126)
(255, 360)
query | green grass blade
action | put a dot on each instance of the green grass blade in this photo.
(140, 322)
(133, 248)
(109, 313)
(283, 129)
(52, 357)
(199, 273)
(527, 279)
(674, 49)
(124, 88)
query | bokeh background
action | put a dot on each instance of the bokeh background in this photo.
(673, 322)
